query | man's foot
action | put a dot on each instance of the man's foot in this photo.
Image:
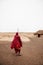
(18, 54)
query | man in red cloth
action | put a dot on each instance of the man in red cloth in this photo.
(16, 44)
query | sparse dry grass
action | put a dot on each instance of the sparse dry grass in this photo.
(31, 53)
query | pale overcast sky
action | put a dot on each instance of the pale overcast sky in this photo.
(27, 15)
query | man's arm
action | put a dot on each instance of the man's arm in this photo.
(20, 41)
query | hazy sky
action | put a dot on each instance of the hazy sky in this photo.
(27, 15)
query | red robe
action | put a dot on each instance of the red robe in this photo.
(16, 43)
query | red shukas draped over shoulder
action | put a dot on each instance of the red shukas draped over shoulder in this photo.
(16, 43)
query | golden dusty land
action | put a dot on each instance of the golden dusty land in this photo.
(31, 52)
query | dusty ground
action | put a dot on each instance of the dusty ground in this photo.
(31, 53)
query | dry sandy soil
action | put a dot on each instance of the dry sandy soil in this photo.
(31, 52)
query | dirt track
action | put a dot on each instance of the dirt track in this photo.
(31, 53)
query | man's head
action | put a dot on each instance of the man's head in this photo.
(16, 33)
